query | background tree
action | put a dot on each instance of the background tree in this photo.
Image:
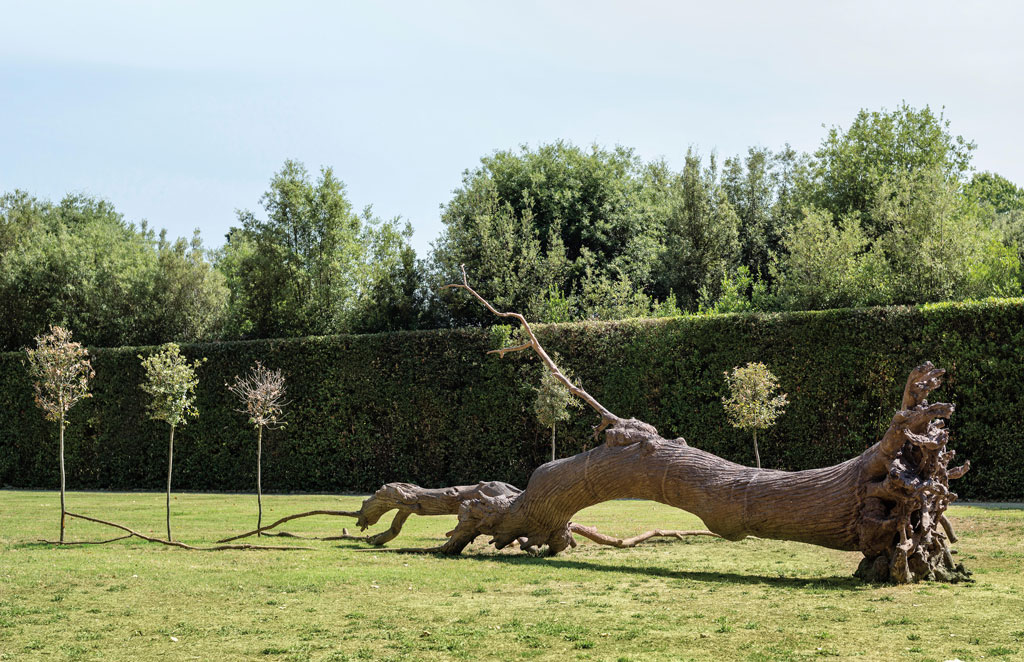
(560, 232)
(701, 241)
(760, 188)
(262, 393)
(170, 382)
(80, 263)
(552, 403)
(825, 266)
(292, 274)
(1002, 198)
(752, 403)
(60, 370)
(850, 167)
(313, 266)
(391, 280)
(580, 226)
(568, 233)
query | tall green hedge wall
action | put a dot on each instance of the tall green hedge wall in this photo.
(432, 408)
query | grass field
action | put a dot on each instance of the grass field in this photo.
(699, 599)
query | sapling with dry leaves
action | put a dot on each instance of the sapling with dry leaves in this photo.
(171, 383)
(261, 393)
(60, 370)
(753, 402)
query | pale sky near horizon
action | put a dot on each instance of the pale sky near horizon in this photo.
(180, 112)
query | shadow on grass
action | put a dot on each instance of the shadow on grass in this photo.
(846, 583)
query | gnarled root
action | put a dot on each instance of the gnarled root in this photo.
(904, 530)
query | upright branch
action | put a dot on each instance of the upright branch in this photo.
(171, 383)
(262, 394)
(607, 418)
(61, 371)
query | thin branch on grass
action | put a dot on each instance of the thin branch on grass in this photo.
(85, 542)
(309, 513)
(170, 543)
(602, 539)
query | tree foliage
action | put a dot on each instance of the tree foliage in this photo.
(885, 211)
(553, 402)
(80, 264)
(565, 233)
(753, 402)
(852, 167)
(313, 266)
(170, 383)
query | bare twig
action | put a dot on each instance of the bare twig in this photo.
(607, 418)
(344, 536)
(262, 391)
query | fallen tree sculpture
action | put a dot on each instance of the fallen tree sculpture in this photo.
(888, 503)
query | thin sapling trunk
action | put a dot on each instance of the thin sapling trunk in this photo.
(170, 467)
(63, 509)
(757, 455)
(259, 486)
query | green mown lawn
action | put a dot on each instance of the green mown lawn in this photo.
(699, 599)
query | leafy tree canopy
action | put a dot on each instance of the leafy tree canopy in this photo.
(851, 166)
(80, 264)
(562, 232)
(313, 266)
(170, 383)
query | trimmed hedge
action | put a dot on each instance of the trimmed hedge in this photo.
(432, 408)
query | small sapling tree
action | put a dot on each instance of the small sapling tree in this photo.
(262, 394)
(553, 403)
(171, 383)
(60, 371)
(752, 403)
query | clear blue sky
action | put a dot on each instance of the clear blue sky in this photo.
(180, 112)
